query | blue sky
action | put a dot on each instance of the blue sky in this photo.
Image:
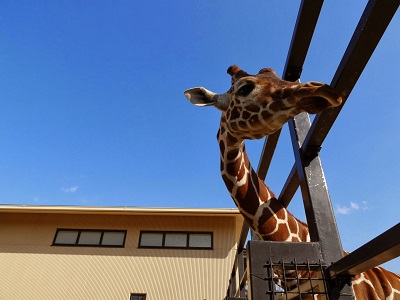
(93, 112)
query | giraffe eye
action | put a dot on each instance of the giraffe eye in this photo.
(245, 89)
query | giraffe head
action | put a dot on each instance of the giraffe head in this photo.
(258, 105)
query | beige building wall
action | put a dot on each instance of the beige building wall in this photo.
(33, 269)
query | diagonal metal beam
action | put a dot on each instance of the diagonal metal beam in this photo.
(304, 29)
(369, 31)
(377, 251)
(371, 27)
(290, 187)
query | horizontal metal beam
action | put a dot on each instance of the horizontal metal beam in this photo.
(381, 249)
(259, 252)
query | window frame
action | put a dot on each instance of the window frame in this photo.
(187, 247)
(137, 295)
(76, 244)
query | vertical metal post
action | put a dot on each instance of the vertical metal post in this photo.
(317, 204)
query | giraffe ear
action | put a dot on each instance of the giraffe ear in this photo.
(200, 96)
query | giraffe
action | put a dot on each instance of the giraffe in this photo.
(256, 106)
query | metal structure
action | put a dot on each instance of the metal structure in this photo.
(266, 262)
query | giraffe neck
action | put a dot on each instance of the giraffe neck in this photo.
(256, 202)
(271, 221)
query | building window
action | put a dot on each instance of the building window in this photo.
(138, 297)
(172, 239)
(90, 238)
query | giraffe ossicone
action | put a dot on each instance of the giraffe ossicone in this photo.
(254, 107)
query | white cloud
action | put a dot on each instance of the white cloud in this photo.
(354, 206)
(71, 189)
(343, 210)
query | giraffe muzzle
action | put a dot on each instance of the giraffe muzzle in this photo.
(316, 96)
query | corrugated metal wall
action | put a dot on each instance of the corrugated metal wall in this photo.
(32, 269)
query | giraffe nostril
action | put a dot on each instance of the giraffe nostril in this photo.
(315, 83)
